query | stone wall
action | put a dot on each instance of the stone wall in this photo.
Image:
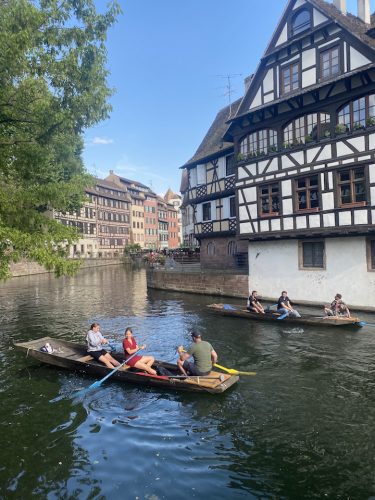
(213, 283)
(25, 268)
(219, 256)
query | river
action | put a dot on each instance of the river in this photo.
(303, 427)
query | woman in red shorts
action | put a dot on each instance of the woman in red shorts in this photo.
(130, 347)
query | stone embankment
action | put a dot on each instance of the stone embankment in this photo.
(26, 268)
(211, 282)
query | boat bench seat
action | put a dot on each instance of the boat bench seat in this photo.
(88, 358)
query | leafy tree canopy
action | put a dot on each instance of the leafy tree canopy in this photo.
(53, 85)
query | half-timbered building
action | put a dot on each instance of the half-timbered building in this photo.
(304, 140)
(208, 190)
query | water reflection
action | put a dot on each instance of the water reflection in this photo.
(302, 428)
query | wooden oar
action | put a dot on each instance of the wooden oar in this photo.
(98, 383)
(232, 371)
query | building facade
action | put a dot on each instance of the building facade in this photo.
(209, 208)
(304, 141)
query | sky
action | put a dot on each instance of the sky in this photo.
(169, 62)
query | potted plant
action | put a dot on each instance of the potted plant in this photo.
(357, 126)
(341, 128)
(308, 139)
(240, 157)
(370, 121)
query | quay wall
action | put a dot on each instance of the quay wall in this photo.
(26, 268)
(212, 283)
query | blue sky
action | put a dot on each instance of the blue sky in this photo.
(168, 61)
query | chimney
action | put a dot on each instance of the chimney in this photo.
(364, 11)
(340, 5)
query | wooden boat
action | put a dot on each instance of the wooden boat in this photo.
(73, 356)
(305, 319)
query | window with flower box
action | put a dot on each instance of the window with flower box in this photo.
(357, 114)
(307, 128)
(258, 143)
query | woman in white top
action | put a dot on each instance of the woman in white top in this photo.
(95, 341)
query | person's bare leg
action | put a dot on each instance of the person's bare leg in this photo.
(106, 361)
(113, 360)
(146, 368)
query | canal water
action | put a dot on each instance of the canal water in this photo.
(303, 427)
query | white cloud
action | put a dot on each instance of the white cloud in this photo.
(101, 141)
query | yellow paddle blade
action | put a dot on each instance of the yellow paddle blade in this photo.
(234, 372)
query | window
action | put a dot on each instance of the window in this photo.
(329, 63)
(307, 128)
(206, 207)
(312, 254)
(371, 254)
(290, 78)
(260, 142)
(232, 248)
(269, 199)
(210, 249)
(351, 186)
(359, 113)
(307, 193)
(232, 206)
(229, 165)
(301, 22)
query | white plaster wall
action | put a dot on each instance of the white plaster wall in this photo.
(273, 267)
(308, 58)
(257, 101)
(268, 81)
(308, 77)
(357, 59)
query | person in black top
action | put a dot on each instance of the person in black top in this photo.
(253, 304)
(285, 308)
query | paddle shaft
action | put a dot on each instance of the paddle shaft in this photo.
(99, 382)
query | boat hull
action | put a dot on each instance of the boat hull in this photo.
(330, 321)
(72, 356)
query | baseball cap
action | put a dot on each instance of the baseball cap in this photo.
(195, 335)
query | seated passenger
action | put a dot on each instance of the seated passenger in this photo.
(95, 342)
(130, 347)
(337, 307)
(204, 357)
(253, 303)
(285, 308)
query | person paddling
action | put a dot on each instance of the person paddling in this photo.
(95, 342)
(204, 357)
(337, 307)
(130, 347)
(285, 307)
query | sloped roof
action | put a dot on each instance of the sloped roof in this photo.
(212, 142)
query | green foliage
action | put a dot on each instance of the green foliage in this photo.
(52, 87)
(132, 248)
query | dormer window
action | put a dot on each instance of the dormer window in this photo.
(301, 22)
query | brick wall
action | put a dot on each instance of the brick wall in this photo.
(213, 283)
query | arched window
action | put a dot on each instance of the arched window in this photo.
(232, 248)
(260, 142)
(357, 114)
(307, 128)
(301, 22)
(211, 249)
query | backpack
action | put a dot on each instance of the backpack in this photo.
(47, 348)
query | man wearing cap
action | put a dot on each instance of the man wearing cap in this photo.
(203, 354)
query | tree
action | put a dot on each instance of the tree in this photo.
(53, 85)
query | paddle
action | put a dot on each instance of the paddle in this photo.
(98, 383)
(232, 371)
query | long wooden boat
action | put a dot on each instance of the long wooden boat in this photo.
(305, 319)
(73, 356)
